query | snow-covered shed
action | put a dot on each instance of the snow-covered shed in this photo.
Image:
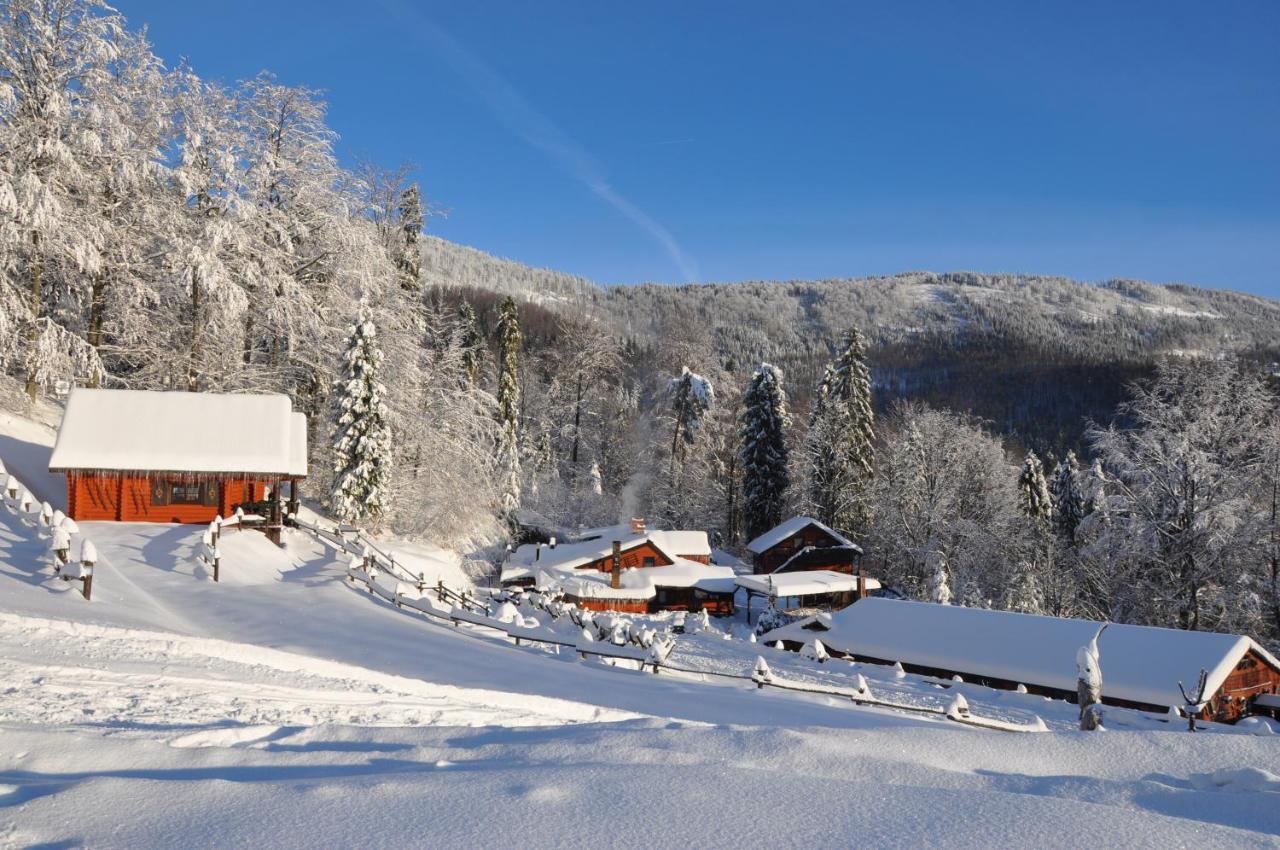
(136, 455)
(1141, 665)
(811, 588)
(803, 543)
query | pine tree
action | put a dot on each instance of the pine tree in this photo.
(409, 262)
(1024, 593)
(362, 453)
(839, 448)
(470, 341)
(765, 475)
(509, 340)
(1068, 499)
(940, 581)
(1033, 490)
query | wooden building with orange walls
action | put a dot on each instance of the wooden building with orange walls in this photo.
(141, 456)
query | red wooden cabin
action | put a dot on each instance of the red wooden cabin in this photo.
(802, 543)
(140, 456)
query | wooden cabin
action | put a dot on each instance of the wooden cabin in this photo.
(654, 570)
(141, 456)
(1141, 665)
(802, 543)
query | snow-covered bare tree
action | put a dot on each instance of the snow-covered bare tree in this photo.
(1181, 509)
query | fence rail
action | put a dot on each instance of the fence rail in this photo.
(641, 646)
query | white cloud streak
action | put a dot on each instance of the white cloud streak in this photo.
(511, 109)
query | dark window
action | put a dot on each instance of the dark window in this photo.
(187, 493)
(650, 561)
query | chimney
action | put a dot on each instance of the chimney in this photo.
(615, 579)
(637, 525)
(862, 583)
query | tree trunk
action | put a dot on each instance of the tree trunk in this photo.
(193, 361)
(33, 335)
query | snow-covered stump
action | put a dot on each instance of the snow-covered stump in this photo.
(1089, 683)
(761, 674)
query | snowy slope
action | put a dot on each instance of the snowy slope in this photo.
(283, 707)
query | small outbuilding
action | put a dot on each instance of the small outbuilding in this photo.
(803, 543)
(143, 456)
(1141, 665)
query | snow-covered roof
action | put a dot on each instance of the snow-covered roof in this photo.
(803, 583)
(683, 543)
(298, 444)
(1139, 663)
(781, 532)
(145, 431)
(568, 556)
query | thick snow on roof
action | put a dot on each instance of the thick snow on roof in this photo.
(144, 431)
(298, 444)
(781, 532)
(683, 543)
(568, 556)
(1139, 663)
(803, 583)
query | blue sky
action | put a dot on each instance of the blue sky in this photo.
(724, 141)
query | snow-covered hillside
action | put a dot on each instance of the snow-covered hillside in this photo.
(282, 706)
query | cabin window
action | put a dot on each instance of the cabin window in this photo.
(184, 494)
(650, 561)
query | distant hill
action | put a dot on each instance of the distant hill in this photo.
(1035, 355)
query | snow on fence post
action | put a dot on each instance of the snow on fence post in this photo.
(1194, 704)
(61, 546)
(88, 557)
(761, 675)
(11, 487)
(46, 514)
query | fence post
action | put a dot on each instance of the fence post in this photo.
(88, 586)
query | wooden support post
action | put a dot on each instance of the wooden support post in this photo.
(217, 563)
(88, 586)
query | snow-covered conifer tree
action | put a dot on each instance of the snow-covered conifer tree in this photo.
(470, 341)
(1033, 490)
(940, 580)
(1068, 498)
(1024, 593)
(765, 475)
(362, 452)
(839, 447)
(409, 262)
(508, 412)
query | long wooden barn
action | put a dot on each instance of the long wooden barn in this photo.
(143, 456)
(1141, 665)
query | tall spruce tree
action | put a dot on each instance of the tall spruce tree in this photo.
(1033, 490)
(1068, 499)
(765, 475)
(470, 341)
(362, 451)
(508, 396)
(840, 444)
(409, 261)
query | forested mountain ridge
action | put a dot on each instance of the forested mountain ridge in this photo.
(1036, 355)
